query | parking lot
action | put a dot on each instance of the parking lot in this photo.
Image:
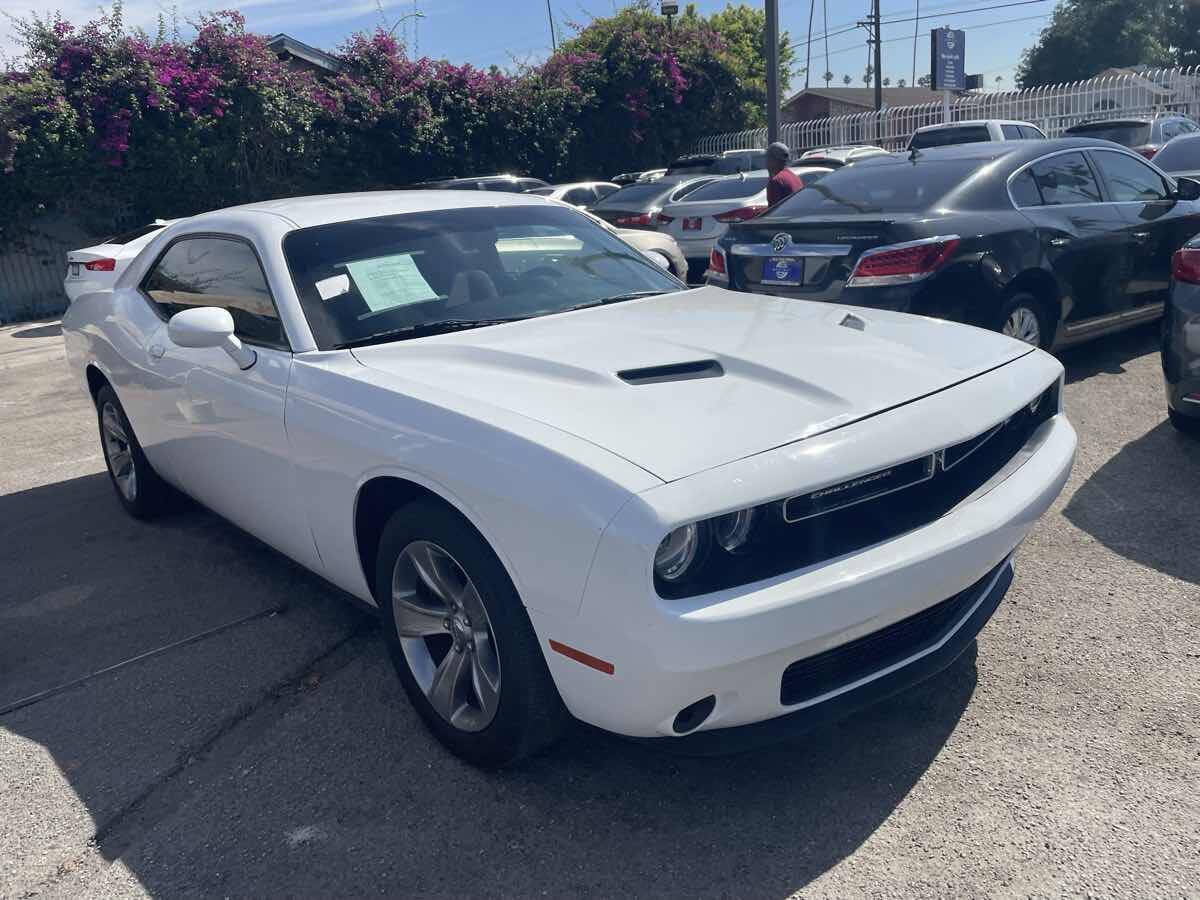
(256, 742)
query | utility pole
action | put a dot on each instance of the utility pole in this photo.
(878, 60)
(550, 15)
(772, 56)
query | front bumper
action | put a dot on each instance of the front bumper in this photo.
(735, 645)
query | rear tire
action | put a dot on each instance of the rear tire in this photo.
(461, 641)
(1189, 425)
(138, 487)
(1024, 317)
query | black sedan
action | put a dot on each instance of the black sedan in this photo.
(1181, 340)
(1052, 242)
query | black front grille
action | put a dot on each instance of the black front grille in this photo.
(780, 546)
(808, 678)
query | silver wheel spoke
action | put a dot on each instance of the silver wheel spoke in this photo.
(435, 603)
(450, 679)
(118, 452)
(1023, 325)
(418, 621)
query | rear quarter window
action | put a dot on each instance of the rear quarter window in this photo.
(868, 188)
(945, 137)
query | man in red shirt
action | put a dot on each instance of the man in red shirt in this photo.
(783, 182)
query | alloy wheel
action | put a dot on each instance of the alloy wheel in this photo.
(118, 452)
(1022, 324)
(446, 635)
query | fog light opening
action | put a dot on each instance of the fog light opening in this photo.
(692, 717)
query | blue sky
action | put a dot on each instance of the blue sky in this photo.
(486, 32)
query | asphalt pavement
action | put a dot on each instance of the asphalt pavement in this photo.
(196, 715)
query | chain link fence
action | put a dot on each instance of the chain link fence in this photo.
(1053, 108)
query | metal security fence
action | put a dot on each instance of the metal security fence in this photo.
(1053, 108)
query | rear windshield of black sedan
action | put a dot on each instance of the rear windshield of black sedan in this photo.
(864, 188)
(1127, 134)
(385, 278)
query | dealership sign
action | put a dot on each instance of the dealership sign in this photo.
(948, 57)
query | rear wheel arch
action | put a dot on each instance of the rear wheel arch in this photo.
(1041, 285)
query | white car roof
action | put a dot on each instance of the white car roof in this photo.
(940, 125)
(323, 209)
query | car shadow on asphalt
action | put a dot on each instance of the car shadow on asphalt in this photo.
(39, 331)
(1108, 355)
(92, 586)
(1142, 503)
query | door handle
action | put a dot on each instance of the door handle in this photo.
(1141, 235)
(156, 351)
(1059, 241)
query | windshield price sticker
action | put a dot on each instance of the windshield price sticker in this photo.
(390, 281)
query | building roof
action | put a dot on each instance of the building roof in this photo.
(865, 96)
(285, 45)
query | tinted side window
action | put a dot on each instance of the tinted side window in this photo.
(1129, 179)
(1011, 132)
(1024, 190)
(603, 190)
(1065, 178)
(217, 272)
(579, 196)
(1181, 155)
(1028, 132)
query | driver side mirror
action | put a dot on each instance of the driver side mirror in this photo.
(1187, 189)
(209, 326)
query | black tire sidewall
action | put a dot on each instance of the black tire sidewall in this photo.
(149, 499)
(1034, 305)
(530, 715)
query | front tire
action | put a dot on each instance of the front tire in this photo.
(1024, 317)
(461, 641)
(1189, 425)
(138, 487)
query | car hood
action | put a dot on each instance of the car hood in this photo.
(680, 383)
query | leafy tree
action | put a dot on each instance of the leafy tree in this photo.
(846, 79)
(886, 81)
(828, 78)
(923, 81)
(868, 75)
(902, 82)
(1084, 37)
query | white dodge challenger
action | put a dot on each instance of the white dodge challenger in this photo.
(569, 485)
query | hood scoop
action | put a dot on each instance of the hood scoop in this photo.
(684, 371)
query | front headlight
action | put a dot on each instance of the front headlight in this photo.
(684, 552)
(678, 553)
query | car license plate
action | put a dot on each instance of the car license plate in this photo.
(691, 223)
(74, 270)
(783, 270)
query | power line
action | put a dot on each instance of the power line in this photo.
(853, 47)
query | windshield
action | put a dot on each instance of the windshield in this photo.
(1128, 134)
(370, 278)
(1181, 154)
(729, 188)
(944, 137)
(878, 189)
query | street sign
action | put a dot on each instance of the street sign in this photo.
(669, 8)
(947, 59)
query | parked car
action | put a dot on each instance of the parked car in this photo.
(513, 184)
(579, 193)
(1143, 134)
(97, 268)
(725, 163)
(508, 452)
(972, 131)
(638, 205)
(1181, 340)
(836, 157)
(655, 246)
(699, 219)
(1052, 241)
(1180, 156)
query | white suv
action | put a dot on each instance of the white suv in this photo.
(972, 131)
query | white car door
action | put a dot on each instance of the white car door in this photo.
(219, 429)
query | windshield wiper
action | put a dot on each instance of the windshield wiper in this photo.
(423, 329)
(615, 298)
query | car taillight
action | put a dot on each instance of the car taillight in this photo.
(100, 265)
(902, 263)
(1185, 266)
(643, 219)
(741, 214)
(660, 219)
(716, 263)
(1147, 152)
